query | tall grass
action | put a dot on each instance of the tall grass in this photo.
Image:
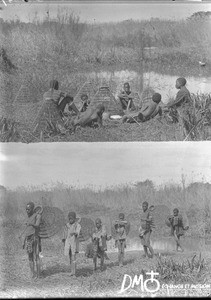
(193, 202)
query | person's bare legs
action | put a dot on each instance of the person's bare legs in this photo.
(31, 265)
(178, 243)
(145, 251)
(147, 241)
(73, 265)
(37, 263)
(119, 252)
(122, 253)
(102, 261)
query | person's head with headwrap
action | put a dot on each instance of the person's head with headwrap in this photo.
(30, 208)
(121, 216)
(98, 223)
(145, 205)
(72, 217)
(180, 82)
(156, 98)
(54, 84)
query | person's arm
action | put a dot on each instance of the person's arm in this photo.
(123, 96)
(64, 234)
(103, 232)
(78, 229)
(95, 236)
(35, 222)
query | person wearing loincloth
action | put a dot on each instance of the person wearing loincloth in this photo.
(126, 98)
(71, 240)
(60, 98)
(120, 237)
(177, 227)
(145, 230)
(32, 241)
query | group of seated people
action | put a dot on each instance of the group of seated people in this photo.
(126, 98)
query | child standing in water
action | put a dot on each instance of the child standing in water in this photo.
(120, 237)
(71, 240)
(177, 228)
(145, 230)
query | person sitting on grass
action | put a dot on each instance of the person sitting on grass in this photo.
(84, 103)
(147, 112)
(60, 98)
(183, 104)
(71, 240)
(99, 238)
(145, 230)
(177, 227)
(120, 237)
(126, 98)
(32, 241)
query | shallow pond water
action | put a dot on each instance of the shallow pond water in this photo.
(165, 244)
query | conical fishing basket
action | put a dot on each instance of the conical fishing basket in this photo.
(87, 229)
(113, 230)
(146, 95)
(52, 221)
(48, 113)
(87, 88)
(105, 97)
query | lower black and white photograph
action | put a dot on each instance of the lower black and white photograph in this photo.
(107, 219)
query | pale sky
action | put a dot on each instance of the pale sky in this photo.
(103, 164)
(95, 11)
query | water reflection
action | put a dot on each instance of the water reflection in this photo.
(162, 83)
(164, 244)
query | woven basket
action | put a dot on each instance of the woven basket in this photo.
(47, 112)
(52, 221)
(87, 88)
(105, 97)
(87, 228)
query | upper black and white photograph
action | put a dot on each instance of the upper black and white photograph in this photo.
(93, 71)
